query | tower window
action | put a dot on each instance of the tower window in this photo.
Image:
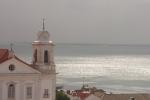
(45, 56)
(11, 91)
(46, 94)
(29, 92)
(35, 55)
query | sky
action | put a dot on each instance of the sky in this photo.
(76, 21)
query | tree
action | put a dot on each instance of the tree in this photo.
(60, 95)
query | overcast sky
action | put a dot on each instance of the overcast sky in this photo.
(77, 21)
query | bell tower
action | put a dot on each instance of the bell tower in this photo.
(43, 58)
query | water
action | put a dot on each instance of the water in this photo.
(114, 68)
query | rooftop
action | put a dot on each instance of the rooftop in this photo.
(4, 55)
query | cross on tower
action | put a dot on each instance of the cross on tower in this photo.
(11, 46)
(43, 24)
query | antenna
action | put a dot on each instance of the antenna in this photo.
(43, 24)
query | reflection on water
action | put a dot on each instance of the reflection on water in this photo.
(113, 73)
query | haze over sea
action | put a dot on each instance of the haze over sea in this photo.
(114, 68)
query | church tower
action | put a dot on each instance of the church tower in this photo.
(43, 57)
(43, 60)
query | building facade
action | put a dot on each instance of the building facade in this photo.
(22, 81)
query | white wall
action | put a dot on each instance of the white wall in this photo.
(20, 86)
(48, 82)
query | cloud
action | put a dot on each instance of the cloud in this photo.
(95, 21)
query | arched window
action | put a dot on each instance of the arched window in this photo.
(45, 56)
(11, 91)
(35, 55)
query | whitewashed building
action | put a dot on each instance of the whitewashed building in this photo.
(22, 81)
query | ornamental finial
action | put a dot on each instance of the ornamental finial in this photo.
(11, 47)
(43, 24)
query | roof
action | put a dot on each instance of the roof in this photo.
(81, 94)
(22, 61)
(4, 55)
(126, 97)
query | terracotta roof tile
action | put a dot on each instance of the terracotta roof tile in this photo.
(4, 55)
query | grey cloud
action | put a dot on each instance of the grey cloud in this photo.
(85, 21)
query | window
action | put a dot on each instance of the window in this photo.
(35, 55)
(46, 94)
(45, 56)
(11, 67)
(132, 98)
(29, 92)
(11, 91)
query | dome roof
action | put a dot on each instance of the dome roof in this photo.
(43, 36)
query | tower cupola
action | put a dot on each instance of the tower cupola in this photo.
(43, 36)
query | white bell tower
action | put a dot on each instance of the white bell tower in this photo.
(43, 60)
(43, 57)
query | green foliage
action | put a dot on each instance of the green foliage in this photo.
(60, 95)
